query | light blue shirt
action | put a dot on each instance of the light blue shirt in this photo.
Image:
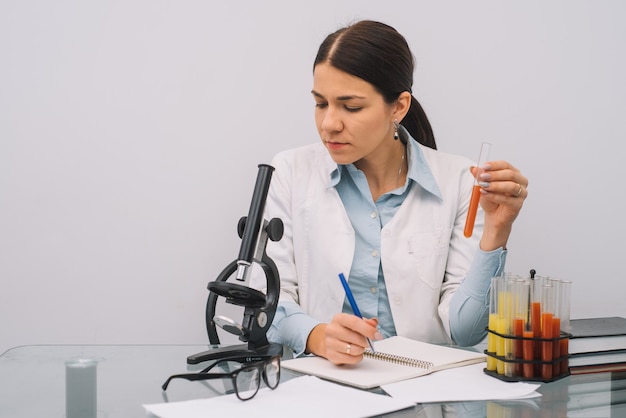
(291, 326)
(366, 279)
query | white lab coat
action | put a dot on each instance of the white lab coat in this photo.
(424, 254)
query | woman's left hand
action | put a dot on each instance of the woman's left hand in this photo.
(504, 189)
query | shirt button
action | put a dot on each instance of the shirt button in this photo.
(374, 253)
(373, 289)
(397, 300)
(373, 215)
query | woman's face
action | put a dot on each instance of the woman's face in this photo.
(352, 118)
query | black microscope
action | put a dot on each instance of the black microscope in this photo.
(259, 308)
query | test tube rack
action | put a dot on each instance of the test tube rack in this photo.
(518, 367)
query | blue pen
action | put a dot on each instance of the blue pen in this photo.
(353, 304)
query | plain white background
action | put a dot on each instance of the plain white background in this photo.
(131, 131)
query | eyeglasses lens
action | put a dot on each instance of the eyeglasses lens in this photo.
(272, 373)
(247, 381)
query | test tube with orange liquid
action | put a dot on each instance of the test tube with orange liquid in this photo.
(533, 310)
(548, 294)
(483, 156)
(521, 317)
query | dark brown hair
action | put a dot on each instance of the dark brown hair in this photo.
(378, 54)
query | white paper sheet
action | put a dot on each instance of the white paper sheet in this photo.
(468, 383)
(302, 397)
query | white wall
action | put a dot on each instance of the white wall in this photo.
(131, 131)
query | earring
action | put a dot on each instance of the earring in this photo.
(396, 125)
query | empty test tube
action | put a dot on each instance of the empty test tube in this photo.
(563, 308)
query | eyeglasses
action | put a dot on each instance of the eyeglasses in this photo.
(246, 380)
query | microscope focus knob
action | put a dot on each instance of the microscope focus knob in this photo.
(275, 229)
(241, 226)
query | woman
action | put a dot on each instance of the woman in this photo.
(375, 201)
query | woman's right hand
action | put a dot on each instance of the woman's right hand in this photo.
(344, 339)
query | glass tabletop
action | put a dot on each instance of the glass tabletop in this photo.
(32, 384)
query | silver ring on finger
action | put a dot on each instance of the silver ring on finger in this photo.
(348, 348)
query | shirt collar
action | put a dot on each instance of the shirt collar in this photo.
(419, 171)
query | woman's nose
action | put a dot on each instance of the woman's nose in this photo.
(331, 122)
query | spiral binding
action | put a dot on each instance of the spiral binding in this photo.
(392, 358)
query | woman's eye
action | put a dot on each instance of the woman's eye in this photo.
(321, 105)
(353, 109)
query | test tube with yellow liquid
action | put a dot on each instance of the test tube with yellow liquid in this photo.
(493, 320)
(500, 323)
(505, 322)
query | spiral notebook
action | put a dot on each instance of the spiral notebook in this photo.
(395, 359)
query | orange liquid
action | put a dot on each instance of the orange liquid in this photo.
(556, 346)
(518, 345)
(535, 323)
(529, 354)
(546, 346)
(471, 212)
(535, 318)
(564, 343)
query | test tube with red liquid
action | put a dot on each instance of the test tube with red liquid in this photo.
(485, 147)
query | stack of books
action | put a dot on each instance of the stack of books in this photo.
(597, 345)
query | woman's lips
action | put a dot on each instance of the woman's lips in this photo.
(336, 146)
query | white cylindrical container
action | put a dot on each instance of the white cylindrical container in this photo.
(81, 388)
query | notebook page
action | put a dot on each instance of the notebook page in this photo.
(370, 372)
